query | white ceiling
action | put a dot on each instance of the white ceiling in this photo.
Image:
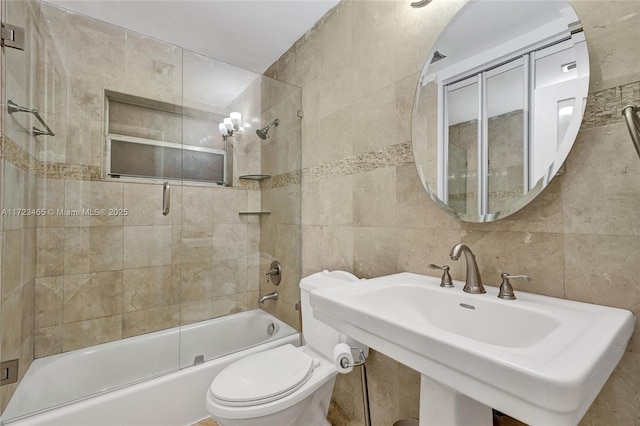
(251, 34)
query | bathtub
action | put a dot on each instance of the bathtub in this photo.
(136, 381)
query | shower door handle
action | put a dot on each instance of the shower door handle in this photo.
(166, 198)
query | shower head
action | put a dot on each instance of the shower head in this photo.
(262, 133)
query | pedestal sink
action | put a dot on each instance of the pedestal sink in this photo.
(540, 359)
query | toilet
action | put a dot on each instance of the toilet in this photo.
(287, 385)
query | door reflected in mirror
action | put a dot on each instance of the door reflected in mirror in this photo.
(498, 105)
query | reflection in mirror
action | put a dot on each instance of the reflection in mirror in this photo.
(498, 105)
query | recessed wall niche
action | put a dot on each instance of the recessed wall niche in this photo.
(148, 139)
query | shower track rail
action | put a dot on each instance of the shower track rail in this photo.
(630, 113)
(14, 107)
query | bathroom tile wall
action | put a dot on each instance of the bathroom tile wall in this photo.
(367, 213)
(281, 157)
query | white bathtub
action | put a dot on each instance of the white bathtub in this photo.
(110, 385)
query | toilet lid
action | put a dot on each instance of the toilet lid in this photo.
(263, 377)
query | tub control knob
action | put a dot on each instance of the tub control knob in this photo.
(274, 274)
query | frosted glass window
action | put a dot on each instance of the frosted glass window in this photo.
(151, 139)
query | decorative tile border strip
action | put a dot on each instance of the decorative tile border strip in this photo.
(603, 108)
(19, 157)
(249, 185)
(395, 155)
(68, 171)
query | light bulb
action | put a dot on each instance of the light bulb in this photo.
(223, 129)
(228, 124)
(236, 118)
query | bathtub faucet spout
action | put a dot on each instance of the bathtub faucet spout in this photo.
(269, 296)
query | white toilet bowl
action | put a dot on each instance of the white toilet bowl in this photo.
(284, 386)
(294, 398)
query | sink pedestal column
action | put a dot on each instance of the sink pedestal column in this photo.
(440, 405)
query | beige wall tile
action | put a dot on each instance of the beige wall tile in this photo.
(91, 332)
(229, 241)
(95, 295)
(609, 31)
(194, 311)
(197, 205)
(229, 277)
(600, 192)
(149, 320)
(227, 305)
(77, 196)
(11, 313)
(335, 37)
(196, 244)
(85, 138)
(147, 246)
(227, 202)
(414, 207)
(373, 251)
(94, 46)
(372, 193)
(153, 68)
(12, 262)
(16, 198)
(106, 248)
(77, 243)
(604, 269)
(196, 281)
(50, 196)
(48, 341)
(307, 51)
(417, 248)
(49, 297)
(107, 198)
(617, 402)
(146, 288)
(327, 247)
(383, 393)
(328, 202)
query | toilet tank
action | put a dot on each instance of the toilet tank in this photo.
(319, 336)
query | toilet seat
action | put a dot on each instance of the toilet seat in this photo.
(262, 377)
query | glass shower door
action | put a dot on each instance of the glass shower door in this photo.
(96, 261)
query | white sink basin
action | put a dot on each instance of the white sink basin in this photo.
(540, 359)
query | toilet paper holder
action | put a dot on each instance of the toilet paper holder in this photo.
(344, 362)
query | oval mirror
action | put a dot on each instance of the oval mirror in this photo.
(499, 103)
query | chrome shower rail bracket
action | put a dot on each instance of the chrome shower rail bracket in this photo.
(14, 107)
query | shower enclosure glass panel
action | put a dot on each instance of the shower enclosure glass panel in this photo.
(100, 261)
(19, 179)
(96, 262)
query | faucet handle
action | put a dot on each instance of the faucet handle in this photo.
(506, 289)
(446, 280)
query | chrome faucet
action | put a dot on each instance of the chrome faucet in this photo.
(268, 296)
(473, 282)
